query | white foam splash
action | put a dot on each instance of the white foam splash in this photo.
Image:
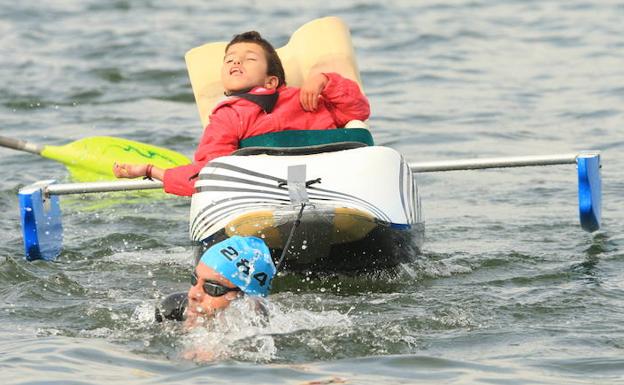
(177, 256)
(143, 314)
(241, 332)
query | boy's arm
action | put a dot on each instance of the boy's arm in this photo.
(344, 99)
(220, 138)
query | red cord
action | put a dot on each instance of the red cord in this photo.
(148, 171)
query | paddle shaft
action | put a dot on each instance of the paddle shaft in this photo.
(477, 164)
(20, 145)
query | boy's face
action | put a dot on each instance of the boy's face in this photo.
(201, 304)
(245, 66)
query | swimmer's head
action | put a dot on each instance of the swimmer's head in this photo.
(244, 261)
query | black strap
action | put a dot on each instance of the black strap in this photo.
(292, 232)
(308, 183)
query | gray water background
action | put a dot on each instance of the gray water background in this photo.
(509, 289)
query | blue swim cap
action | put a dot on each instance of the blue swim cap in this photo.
(245, 261)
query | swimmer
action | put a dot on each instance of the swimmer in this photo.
(227, 271)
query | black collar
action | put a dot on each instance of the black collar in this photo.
(266, 101)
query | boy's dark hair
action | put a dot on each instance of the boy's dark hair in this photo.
(275, 67)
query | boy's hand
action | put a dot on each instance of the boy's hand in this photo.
(125, 170)
(311, 91)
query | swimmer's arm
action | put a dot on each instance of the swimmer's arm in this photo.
(198, 355)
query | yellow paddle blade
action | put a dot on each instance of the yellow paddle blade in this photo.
(92, 159)
(322, 44)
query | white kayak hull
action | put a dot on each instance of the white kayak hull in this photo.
(362, 210)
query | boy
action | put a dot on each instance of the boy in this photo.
(259, 102)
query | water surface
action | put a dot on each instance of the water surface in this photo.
(508, 290)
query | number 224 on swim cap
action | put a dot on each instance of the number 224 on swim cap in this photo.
(244, 261)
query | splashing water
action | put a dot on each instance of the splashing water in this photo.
(241, 332)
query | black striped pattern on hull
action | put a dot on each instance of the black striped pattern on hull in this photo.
(267, 194)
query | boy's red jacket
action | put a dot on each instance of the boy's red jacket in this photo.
(236, 119)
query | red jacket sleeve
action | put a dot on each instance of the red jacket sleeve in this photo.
(220, 138)
(344, 100)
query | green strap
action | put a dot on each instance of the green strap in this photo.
(303, 138)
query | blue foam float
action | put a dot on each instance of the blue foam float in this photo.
(41, 222)
(589, 191)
